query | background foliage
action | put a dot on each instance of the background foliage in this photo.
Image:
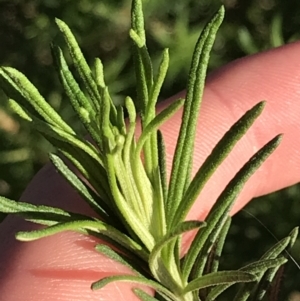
(101, 27)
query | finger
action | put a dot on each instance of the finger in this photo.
(229, 93)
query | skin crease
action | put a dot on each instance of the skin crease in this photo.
(63, 266)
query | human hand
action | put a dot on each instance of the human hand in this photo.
(62, 267)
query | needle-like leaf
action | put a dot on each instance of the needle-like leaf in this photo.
(219, 278)
(15, 84)
(80, 63)
(84, 191)
(183, 153)
(225, 201)
(137, 280)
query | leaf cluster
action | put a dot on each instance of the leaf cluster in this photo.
(27, 29)
(137, 210)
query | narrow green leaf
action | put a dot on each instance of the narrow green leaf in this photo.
(293, 235)
(212, 262)
(263, 265)
(158, 81)
(82, 152)
(265, 270)
(84, 191)
(183, 153)
(148, 69)
(212, 162)
(80, 63)
(154, 85)
(78, 151)
(202, 258)
(277, 249)
(66, 142)
(16, 108)
(137, 19)
(137, 201)
(144, 80)
(162, 165)
(107, 134)
(128, 188)
(137, 33)
(109, 106)
(257, 290)
(40, 214)
(17, 86)
(120, 121)
(140, 194)
(99, 74)
(158, 226)
(94, 173)
(157, 122)
(218, 278)
(142, 60)
(10, 206)
(85, 227)
(79, 101)
(51, 131)
(219, 246)
(136, 38)
(225, 201)
(80, 226)
(71, 87)
(129, 137)
(134, 279)
(141, 86)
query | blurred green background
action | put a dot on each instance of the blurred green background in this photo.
(101, 27)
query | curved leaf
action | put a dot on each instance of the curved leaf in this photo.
(85, 227)
(218, 278)
(134, 279)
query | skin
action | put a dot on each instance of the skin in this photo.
(63, 266)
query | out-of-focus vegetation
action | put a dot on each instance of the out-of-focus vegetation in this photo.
(101, 26)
